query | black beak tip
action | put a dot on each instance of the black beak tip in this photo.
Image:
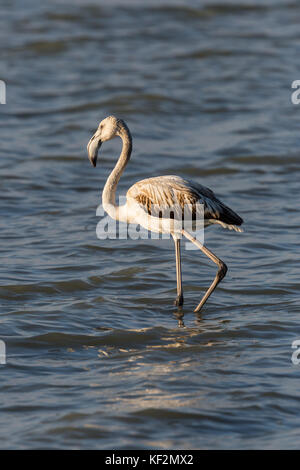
(93, 161)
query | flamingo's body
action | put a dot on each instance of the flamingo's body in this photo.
(163, 204)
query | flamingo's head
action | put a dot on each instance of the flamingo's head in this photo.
(109, 128)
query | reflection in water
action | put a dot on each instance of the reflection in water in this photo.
(179, 316)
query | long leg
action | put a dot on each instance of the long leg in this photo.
(179, 298)
(220, 274)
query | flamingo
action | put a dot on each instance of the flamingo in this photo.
(158, 203)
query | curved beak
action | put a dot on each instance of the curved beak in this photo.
(93, 147)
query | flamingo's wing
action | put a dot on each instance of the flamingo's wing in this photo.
(163, 195)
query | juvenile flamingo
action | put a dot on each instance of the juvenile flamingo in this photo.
(166, 204)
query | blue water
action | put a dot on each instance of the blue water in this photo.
(97, 356)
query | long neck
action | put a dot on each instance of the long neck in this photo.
(109, 191)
